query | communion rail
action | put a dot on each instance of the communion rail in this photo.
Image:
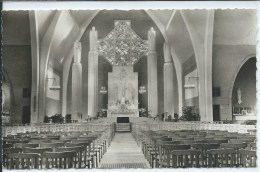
(52, 128)
(191, 126)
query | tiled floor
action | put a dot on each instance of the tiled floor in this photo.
(124, 153)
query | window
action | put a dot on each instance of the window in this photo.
(216, 92)
(26, 92)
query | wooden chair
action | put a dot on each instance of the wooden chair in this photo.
(217, 141)
(203, 147)
(165, 153)
(23, 161)
(39, 141)
(61, 141)
(252, 146)
(236, 147)
(26, 145)
(52, 145)
(36, 150)
(154, 161)
(186, 142)
(220, 157)
(89, 157)
(248, 158)
(50, 137)
(97, 144)
(93, 149)
(247, 141)
(60, 160)
(7, 145)
(69, 138)
(184, 159)
(81, 162)
(39, 151)
(7, 151)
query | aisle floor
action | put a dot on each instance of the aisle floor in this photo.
(123, 153)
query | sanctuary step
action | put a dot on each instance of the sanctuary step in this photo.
(123, 127)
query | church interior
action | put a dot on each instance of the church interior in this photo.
(129, 89)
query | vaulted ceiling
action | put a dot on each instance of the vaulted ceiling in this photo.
(67, 26)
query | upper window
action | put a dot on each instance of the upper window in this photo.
(26, 93)
(216, 92)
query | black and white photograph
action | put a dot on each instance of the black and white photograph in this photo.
(129, 89)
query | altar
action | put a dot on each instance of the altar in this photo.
(123, 114)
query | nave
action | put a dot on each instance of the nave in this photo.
(124, 153)
(96, 144)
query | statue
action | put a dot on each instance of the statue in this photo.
(77, 51)
(122, 101)
(239, 99)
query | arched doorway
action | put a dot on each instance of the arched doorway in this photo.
(244, 92)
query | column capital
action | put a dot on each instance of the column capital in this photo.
(151, 40)
(93, 39)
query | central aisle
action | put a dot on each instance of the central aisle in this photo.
(123, 153)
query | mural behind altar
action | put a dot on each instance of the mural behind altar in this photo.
(123, 92)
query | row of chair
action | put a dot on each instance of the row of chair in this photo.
(55, 150)
(160, 147)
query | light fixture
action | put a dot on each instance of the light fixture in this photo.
(142, 89)
(190, 86)
(54, 87)
(103, 90)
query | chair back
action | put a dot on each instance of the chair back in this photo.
(36, 150)
(80, 150)
(7, 145)
(205, 146)
(22, 161)
(53, 137)
(171, 147)
(39, 141)
(52, 145)
(252, 146)
(61, 141)
(235, 146)
(60, 160)
(26, 145)
(186, 142)
(221, 157)
(184, 158)
(217, 141)
(248, 158)
(247, 141)
(7, 151)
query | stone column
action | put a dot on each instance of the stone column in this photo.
(205, 71)
(168, 82)
(152, 74)
(76, 94)
(93, 74)
(35, 67)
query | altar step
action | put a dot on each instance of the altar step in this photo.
(123, 127)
